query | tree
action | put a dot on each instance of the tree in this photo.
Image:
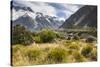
(21, 36)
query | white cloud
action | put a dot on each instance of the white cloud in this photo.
(72, 7)
(39, 7)
(43, 8)
(48, 9)
(16, 14)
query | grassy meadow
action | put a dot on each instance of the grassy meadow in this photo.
(49, 47)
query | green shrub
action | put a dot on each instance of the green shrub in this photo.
(21, 36)
(86, 51)
(37, 39)
(47, 35)
(57, 55)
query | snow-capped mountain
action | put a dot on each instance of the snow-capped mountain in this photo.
(32, 20)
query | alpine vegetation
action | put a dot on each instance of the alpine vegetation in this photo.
(52, 33)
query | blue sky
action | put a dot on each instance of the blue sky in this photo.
(61, 10)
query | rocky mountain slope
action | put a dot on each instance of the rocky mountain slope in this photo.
(85, 17)
(32, 20)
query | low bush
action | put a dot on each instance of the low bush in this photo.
(78, 57)
(86, 50)
(57, 55)
(33, 54)
(90, 39)
(37, 39)
(17, 47)
(67, 43)
(74, 47)
(47, 35)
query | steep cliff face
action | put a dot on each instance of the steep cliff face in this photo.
(84, 17)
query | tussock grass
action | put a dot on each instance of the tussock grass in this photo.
(57, 55)
(50, 53)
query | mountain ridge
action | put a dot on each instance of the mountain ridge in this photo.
(84, 17)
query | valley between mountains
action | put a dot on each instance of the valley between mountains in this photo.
(38, 38)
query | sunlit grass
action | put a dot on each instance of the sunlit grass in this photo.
(50, 53)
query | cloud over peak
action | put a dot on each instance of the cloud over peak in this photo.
(61, 10)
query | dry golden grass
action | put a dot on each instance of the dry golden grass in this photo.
(38, 53)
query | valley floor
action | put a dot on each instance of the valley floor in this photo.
(64, 51)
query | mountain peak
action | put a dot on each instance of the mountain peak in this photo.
(26, 15)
